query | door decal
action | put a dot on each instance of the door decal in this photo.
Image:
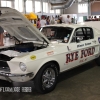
(70, 57)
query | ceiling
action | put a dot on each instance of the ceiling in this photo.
(62, 4)
(63, 1)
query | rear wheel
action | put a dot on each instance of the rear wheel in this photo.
(46, 79)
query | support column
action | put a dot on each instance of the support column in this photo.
(0, 3)
(24, 6)
(42, 7)
(89, 8)
(33, 3)
(13, 4)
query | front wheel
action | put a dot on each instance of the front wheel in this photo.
(46, 79)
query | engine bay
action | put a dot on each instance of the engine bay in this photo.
(7, 53)
(13, 47)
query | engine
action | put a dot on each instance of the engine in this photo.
(24, 47)
(6, 54)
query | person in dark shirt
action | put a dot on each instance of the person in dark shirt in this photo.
(1, 36)
(60, 20)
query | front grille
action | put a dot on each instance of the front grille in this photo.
(4, 66)
(5, 57)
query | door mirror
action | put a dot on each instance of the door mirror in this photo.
(78, 40)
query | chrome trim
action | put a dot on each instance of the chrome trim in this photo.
(16, 75)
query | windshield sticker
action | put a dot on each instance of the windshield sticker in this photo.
(33, 57)
(50, 53)
(99, 39)
(83, 54)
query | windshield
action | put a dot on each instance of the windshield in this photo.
(61, 34)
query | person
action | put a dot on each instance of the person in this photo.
(42, 21)
(99, 18)
(89, 18)
(1, 36)
(52, 20)
(38, 23)
(95, 18)
(68, 20)
(59, 20)
(72, 20)
(56, 17)
(48, 21)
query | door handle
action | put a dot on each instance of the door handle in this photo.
(68, 48)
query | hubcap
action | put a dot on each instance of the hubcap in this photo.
(48, 78)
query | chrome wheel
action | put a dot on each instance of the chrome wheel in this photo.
(48, 78)
(45, 80)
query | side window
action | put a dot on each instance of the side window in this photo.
(78, 35)
(89, 33)
(82, 34)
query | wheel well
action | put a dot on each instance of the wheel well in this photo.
(55, 62)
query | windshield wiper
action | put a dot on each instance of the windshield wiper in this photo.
(45, 41)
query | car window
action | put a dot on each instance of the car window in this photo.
(78, 35)
(89, 33)
(57, 33)
(81, 34)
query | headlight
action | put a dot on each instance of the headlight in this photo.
(22, 66)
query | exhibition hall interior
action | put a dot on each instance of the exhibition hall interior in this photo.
(49, 49)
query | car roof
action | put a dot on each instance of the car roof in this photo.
(68, 25)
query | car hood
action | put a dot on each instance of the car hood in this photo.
(18, 26)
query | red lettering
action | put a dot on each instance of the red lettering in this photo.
(89, 51)
(67, 58)
(93, 50)
(76, 55)
(82, 53)
(72, 56)
(85, 52)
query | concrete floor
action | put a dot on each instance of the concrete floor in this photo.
(82, 83)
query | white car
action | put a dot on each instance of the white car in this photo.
(31, 56)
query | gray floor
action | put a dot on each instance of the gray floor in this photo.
(82, 83)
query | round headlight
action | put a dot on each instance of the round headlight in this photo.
(22, 66)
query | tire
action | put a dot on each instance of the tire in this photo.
(43, 78)
(97, 60)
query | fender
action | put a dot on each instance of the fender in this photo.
(44, 62)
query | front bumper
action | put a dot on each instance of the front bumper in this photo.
(16, 77)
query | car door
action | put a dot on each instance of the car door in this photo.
(72, 58)
(82, 47)
(90, 44)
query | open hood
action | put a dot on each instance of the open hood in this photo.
(18, 26)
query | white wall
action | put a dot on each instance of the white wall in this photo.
(72, 10)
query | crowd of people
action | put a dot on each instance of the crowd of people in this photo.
(93, 18)
(57, 20)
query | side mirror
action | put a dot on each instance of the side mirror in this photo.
(78, 40)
